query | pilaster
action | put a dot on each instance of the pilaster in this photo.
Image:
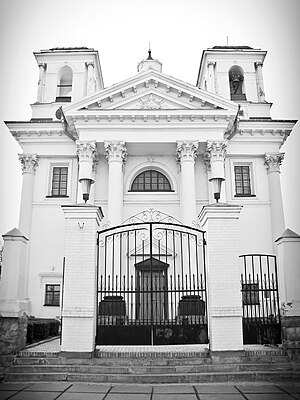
(80, 289)
(90, 78)
(220, 221)
(116, 155)
(186, 155)
(41, 82)
(260, 82)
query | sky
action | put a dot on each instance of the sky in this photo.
(178, 30)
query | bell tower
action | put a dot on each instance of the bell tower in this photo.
(66, 74)
(235, 73)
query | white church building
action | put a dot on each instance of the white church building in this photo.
(151, 210)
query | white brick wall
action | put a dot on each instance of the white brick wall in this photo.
(79, 301)
(223, 277)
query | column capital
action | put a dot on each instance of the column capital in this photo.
(211, 63)
(186, 150)
(273, 161)
(116, 151)
(29, 162)
(215, 151)
(258, 64)
(90, 64)
(87, 151)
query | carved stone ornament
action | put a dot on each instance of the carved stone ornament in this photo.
(151, 102)
(116, 151)
(273, 161)
(215, 150)
(29, 162)
(87, 151)
(186, 150)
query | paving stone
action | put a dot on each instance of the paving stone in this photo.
(221, 396)
(128, 396)
(268, 396)
(7, 394)
(48, 387)
(131, 389)
(288, 388)
(174, 389)
(173, 396)
(259, 389)
(14, 386)
(89, 388)
(216, 389)
(82, 396)
(36, 395)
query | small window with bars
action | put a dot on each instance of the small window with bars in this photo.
(52, 295)
(242, 181)
(151, 181)
(59, 182)
(250, 294)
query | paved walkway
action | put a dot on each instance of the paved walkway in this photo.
(83, 391)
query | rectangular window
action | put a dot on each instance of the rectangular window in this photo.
(242, 180)
(52, 294)
(59, 181)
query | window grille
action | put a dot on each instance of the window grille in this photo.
(59, 181)
(242, 180)
(52, 294)
(151, 181)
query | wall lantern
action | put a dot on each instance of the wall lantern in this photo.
(86, 188)
(217, 183)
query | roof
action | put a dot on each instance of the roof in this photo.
(232, 48)
(72, 49)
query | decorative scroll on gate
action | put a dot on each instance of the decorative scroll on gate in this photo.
(151, 282)
(259, 285)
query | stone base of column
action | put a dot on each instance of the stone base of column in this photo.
(220, 221)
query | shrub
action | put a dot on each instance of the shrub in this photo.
(40, 329)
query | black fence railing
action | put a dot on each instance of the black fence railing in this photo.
(259, 286)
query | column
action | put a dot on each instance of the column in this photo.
(88, 158)
(90, 78)
(186, 155)
(29, 162)
(260, 82)
(211, 76)
(272, 163)
(79, 311)
(220, 221)
(214, 158)
(41, 82)
(116, 156)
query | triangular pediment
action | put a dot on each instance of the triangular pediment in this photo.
(151, 91)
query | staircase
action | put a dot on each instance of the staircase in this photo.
(156, 367)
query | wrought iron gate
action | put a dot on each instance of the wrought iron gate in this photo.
(261, 315)
(151, 283)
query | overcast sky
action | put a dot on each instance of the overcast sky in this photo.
(120, 30)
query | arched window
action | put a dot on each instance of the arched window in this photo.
(64, 86)
(236, 82)
(151, 181)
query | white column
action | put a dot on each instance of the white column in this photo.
(13, 283)
(272, 163)
(116, 155)
(186, 155)
(214, 158)
(211, 76)
(260, 82)
(87, 158)
(80, 279)
(90, 78)
(225, 312)
(29, 162)
(41, 82)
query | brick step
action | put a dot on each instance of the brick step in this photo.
(152, 370)
(242, 376)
